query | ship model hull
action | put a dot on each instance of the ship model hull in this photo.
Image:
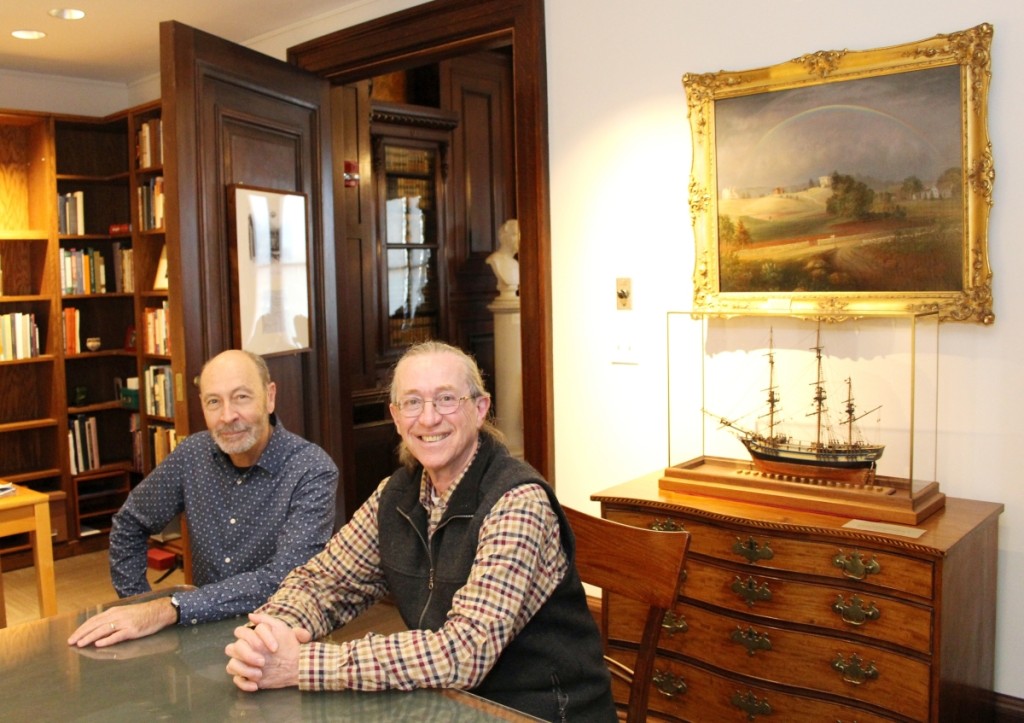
(854, 465)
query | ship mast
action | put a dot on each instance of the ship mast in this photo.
(819, 389)
(773, 396)
(851, 415)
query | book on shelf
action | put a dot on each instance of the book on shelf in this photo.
(149, 143)
(163, 440)
(71, 213)
(6, 488)
(83, 444)
(135, 429)
(83, 271)
(158, 329)
(19, 336)
(124, 281)
(159, 390)
(119, 229)
(72, 330)
(160, 278)
(151, 203)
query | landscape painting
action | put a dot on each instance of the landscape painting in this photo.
(853, 186)
(846, 181)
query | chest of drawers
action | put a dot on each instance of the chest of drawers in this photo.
(794, 616)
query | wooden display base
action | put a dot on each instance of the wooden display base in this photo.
(886, 499)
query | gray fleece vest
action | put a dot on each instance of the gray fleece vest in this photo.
(554, 668)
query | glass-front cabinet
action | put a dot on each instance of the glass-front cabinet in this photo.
(411, 146)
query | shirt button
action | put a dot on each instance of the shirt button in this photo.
(238, 481)
(232, 520)
(227, 560)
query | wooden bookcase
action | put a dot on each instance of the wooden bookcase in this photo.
(81, 276)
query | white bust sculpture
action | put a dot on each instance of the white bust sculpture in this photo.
(503, 262)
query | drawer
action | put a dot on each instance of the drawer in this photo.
(717, 698)
(774, 654)
(781, 599)
(842, 559)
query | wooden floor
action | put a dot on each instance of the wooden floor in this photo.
(83, 581)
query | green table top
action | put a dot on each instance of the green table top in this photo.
(178, 674)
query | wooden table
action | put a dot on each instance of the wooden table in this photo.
(29, 511)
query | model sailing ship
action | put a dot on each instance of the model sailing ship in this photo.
(849, 459)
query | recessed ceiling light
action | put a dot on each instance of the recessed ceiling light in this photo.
(67, 13)
(28, 34)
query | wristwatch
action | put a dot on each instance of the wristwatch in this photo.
(176, 604)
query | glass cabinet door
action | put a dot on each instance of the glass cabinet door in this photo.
(410, 243)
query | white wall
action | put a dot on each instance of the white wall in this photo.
(620, 159)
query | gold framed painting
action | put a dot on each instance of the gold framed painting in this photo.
(846, 182)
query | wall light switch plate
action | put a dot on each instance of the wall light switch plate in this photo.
(623, 293)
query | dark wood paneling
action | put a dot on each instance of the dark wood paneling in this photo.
(444, 29)
(232, 115)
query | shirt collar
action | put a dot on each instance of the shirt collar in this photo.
(427, 498)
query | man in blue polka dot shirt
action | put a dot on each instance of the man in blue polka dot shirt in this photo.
(259, 502)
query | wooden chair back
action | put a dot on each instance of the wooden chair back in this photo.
(641, 564)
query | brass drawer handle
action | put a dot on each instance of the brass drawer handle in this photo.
(667, 684)
(674, 623)
(750, 591)
(667, 525)
(854, 671)
(751, 704)
(854, 565)
(854, 612)
(751, 551)
(750, 639)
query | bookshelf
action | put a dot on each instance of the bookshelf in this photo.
(81, 236)
(31, 418)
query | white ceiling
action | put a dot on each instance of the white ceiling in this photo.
(118, 40)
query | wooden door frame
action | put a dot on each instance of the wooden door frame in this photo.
(441, 29)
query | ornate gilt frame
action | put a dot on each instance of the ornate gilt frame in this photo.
(970, 50)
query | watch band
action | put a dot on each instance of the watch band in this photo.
(177, 609)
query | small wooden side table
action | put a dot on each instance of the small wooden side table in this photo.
(26, 510)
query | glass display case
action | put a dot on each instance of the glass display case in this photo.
(411, 145)
(831, 412)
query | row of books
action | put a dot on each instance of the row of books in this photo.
(84, 271)
(72, 330)
(162, 441)
(83, 444)
(1, 274)
(160, 387)
(149, 143)
(71, 213)
(151, 203)
(19, 336)
(158, 329)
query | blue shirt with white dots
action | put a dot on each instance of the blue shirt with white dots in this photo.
(247, 528)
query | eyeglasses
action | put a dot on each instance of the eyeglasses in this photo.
(443, 403)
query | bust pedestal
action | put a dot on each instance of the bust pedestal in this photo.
(508, 371)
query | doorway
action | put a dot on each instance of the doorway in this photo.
(444, 29)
